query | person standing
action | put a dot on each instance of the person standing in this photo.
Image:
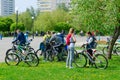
(0, 36)
(71, 45)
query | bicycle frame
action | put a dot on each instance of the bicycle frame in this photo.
(88, 54)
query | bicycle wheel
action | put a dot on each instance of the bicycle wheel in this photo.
(63, 55)
(80, 60)
(12, 59)
(39, 53)
(75, 51)
(105, 50)
(101, 61)
(50, 56)
(31, 59)
(10, 51)
(118, 50)
(31, 50)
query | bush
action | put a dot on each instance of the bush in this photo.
(19, 26)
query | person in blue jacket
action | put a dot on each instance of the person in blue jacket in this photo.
(20, 37)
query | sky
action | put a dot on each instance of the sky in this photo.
(21, 5)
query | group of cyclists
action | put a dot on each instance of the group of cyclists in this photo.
(60, 41)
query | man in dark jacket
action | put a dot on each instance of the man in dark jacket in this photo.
(20, 37)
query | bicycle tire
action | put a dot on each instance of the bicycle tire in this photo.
(12, 59)
(31, 50)
(50, 56)
(75, 51)
(32, 60)
(80, 60)
(39, 53)
(101, 61)
(63, 54)
(118, 50)
(9, 51)
(105, 50)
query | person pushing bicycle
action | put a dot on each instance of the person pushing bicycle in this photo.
(90, 44)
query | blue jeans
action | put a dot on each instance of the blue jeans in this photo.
(70, 57)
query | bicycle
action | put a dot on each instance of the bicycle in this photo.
(52, 51)
(26, 46)
(116, 49)
(21, 54)
(97, 59)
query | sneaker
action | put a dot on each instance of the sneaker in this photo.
(87, 66)
(70, 67)
(66, 66)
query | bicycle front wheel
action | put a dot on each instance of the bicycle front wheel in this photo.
(80, 60)
(101, 61)
(39, 53)
(12, 59)
(10, 51)
(105, 50)
(31, 59)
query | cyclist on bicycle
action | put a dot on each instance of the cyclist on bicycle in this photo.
(20, 37)
(58, 43)
(44, 45)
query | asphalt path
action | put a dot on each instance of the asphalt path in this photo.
(6, 44)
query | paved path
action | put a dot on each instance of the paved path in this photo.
(5, 44)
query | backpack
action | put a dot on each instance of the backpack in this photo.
(94, 42)
(68, 39)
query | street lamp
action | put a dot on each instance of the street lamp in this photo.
(16, 18)
(33, 26)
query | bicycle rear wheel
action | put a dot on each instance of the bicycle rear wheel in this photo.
(12, 59)
(118, 50)
(101, 61)
(80, 60)
(31, 59)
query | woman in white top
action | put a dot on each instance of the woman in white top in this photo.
(71, 49)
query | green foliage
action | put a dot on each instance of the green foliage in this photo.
(26, 19)
(5, 24)
(20, 26)
(63, 7)
(47, 21)
(62, 26)
(92, 15)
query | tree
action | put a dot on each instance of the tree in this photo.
(48, 20)
(114, 9)
(26, 19)
(89, 15)
(20, 26)
(3, 26)
(6, 23)
(63, 7)
(62, 26)
(102, 15)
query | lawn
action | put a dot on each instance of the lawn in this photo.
(58, 71)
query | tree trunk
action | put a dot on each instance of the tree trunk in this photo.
(114, 38)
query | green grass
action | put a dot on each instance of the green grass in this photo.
(58, 71)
